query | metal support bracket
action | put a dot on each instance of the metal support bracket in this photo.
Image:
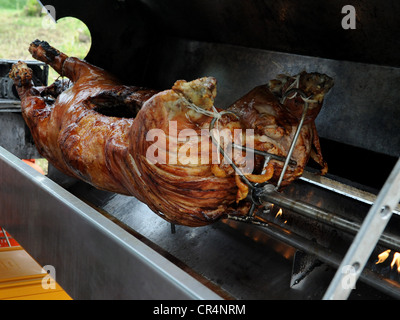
(366, 239)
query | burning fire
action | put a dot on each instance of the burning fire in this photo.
(279, 213)
(396, 259)
(383, 256)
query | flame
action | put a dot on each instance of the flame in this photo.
(383, 256)
(396, 260)
(278, 214)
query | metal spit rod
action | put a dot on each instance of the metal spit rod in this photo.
(342, 189)
(365, 241)
(315, 213)
(324, 254)
(296, 135)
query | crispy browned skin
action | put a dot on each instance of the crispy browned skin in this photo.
(95, 129)
(275, 124)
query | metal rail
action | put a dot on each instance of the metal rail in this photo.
(342, 189)
(366, 239)
(329, 218)
(324, 254)
(94, 258)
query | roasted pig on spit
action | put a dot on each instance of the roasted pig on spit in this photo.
(164, 147)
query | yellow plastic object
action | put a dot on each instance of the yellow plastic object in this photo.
(22, 278)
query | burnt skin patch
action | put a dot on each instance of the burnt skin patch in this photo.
(113, 104)
(49, 50)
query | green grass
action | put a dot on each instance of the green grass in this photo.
(17, 31)
(12, 4)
